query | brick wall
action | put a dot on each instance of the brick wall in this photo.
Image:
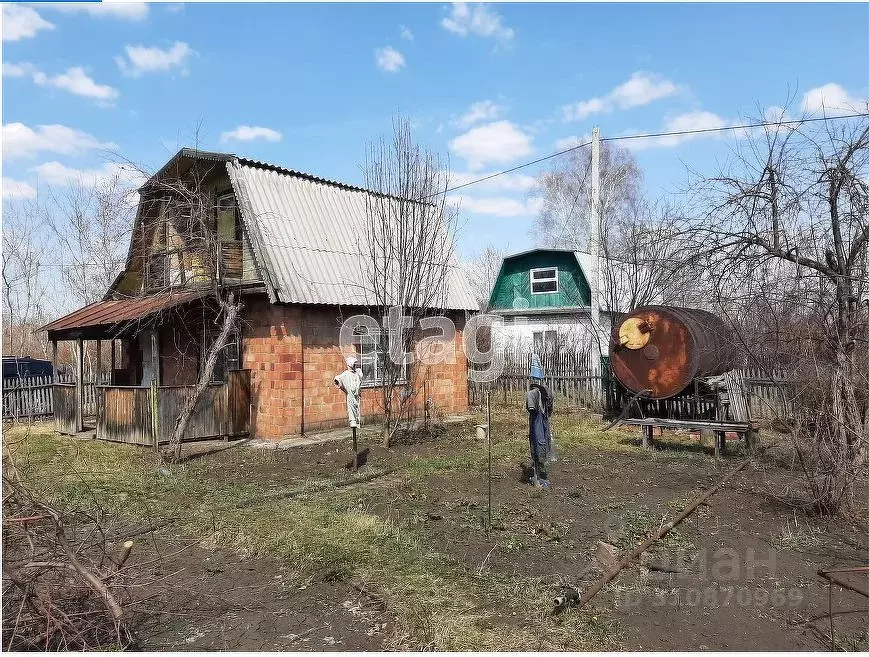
(293, 355)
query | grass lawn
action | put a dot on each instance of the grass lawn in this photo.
(412, 539)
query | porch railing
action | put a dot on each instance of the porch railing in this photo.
(126, 414)
(187, 266)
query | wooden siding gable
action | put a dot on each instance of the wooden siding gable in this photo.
(512, 289)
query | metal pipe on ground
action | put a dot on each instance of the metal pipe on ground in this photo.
(663, 531)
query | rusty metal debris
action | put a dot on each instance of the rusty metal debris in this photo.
(838, 577)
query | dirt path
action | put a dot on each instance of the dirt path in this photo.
(210, 599)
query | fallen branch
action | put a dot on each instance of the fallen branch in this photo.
(660, 533)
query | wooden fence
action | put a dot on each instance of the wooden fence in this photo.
(64, 402)
(32, 397)
(126, 414)
(769, 394)
(576, 378)
(581, 383)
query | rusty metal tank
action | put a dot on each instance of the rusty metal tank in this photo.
(664, 348)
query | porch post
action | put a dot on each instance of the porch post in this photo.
(79, 385)
(54, 377)
(155, 356)
(98, 365)
(112, 363)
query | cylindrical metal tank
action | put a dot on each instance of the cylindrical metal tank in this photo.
(663, 348)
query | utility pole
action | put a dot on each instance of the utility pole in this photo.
(594, 235)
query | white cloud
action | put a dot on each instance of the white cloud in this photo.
(55, 173)
(77, 82)
(17, 189)
(74, 80)
(689, 121)
(22, 22)
(18, 70)
(477, 19)
(389, 59)
(831, 99)
(250, 133)
(641, 89)
(133, 11)
(495, 143)
(498, 206)
(175, 7)
(406, 34)
(145, 59)
(485, 110)
(21, 141)
(511, 182)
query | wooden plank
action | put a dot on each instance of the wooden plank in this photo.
(79, 385)
(65, 402)
(688, 424)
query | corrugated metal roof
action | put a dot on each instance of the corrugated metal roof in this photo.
(110, 313)
(310, 234)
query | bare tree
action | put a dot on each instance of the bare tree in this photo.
(409, 244)
(482, 270)
(25, 256)
(784, 237)
(564, 221)
(91, 224)
(181, 246)
(644, 261)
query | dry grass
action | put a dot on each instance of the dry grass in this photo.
(439, 603)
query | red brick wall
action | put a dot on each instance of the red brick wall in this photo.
(292, 393)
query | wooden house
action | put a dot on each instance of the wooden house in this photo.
(291, 245)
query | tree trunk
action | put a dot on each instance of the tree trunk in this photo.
(231, 308)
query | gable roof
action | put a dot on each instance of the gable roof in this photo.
(308, 233)
(609, 270)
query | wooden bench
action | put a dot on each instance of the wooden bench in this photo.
(745, 430)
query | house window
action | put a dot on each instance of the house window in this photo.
(372, 349)
(544, 281)
(545, 342)
(228, 359)
(225, 213)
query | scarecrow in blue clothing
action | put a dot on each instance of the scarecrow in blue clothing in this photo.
(539, 403)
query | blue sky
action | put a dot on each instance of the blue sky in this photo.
(307, 86)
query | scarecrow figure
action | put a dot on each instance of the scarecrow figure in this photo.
(350, 383)
(539, 403)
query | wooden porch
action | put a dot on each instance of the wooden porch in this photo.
(143, 414)
(146, 416)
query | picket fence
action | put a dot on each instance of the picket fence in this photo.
(577, 381)
(32, 397)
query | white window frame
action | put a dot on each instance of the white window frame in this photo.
(367, 362)
(547, 279)
(547, 346)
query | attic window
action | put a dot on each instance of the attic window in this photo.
(544, 281)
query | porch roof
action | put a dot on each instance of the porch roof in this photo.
(112, 319)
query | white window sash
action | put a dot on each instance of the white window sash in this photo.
(544, 279)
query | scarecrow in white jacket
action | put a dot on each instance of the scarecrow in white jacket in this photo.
(350, 383)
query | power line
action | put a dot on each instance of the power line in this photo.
(650, 135)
